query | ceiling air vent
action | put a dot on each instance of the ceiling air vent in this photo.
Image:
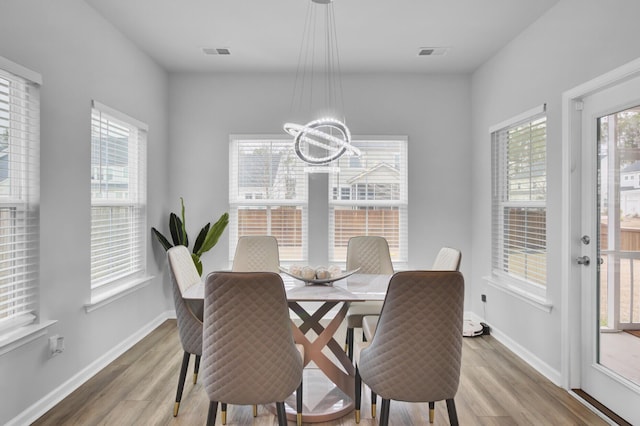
(433, 51)
(216, 51)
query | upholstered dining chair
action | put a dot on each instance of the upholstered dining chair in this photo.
(189, 313)
(447, 259)
(249, 355)
(416, 352)
(371, 255)
(256, 253)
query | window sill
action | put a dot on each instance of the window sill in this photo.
(534, 300)
(23, 335)
(100, 299)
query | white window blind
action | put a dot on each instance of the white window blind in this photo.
(268, 194)
(519, 180)
(368, 196)
(19, 197)
(118, 196)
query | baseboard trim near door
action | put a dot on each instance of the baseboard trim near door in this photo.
(599, 407)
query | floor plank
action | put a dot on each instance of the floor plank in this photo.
(138, 388)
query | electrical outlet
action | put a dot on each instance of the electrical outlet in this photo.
(56, 345)
(483, 297)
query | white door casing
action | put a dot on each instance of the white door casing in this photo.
(582, 106)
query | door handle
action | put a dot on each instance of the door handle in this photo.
(583, 260)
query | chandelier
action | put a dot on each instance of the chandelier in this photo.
(318, 92)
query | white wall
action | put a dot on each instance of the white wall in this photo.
(80, 57)
(433, 111)
(573, 42)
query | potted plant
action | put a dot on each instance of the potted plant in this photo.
(206, 240)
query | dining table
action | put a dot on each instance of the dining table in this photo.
(319, 311)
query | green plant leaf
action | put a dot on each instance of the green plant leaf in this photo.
(214, 234)
(201, 236)
(184, 224)
(175, 226)
(162, 239)
(197, 262)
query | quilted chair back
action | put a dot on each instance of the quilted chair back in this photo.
(415, 353)
(256, 253)
(448, 259)
(189, 316)
(249, 353)
(370, 254)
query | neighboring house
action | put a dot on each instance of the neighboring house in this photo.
(630, 190)
(381, 182)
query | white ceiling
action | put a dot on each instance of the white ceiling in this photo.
(373, 35)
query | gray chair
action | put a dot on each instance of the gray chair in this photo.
(189, 313)
(249, 355)
(416, 352)
(447, 259)
(256, 253)
(371, 255)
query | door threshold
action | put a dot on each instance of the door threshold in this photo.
(600, 407)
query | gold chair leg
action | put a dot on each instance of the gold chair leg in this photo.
(299, 419)
(176, 407)
(357, 416)
(223, 417)
(432, 414)
(255, 410)
(195, 378)
(373, 410)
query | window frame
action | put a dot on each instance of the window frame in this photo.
(513, 282)
(21, 309)
(254, 200)
(237, 200)
(399, 257)
(116, 284)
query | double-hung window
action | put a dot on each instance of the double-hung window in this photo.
(368, 196)
(118, 200)
(19, 196)
(519, 202)
(268, 194)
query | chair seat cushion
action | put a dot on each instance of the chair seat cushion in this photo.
(369, 323)
(359, 309)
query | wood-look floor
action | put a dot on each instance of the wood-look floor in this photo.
(496, 388)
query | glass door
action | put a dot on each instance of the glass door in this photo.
(610, 248)
(618, 269)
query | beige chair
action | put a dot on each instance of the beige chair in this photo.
(416, 352)
(189, 313)
(448, 259)
(371, 255)
(256, 253)
(249, 355)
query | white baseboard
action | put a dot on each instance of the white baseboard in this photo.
(542, 367)
(36, 410)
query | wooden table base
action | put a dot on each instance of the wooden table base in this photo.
(328, 387)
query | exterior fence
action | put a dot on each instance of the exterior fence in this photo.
(620, 280)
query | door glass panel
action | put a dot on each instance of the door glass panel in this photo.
(619, 242)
